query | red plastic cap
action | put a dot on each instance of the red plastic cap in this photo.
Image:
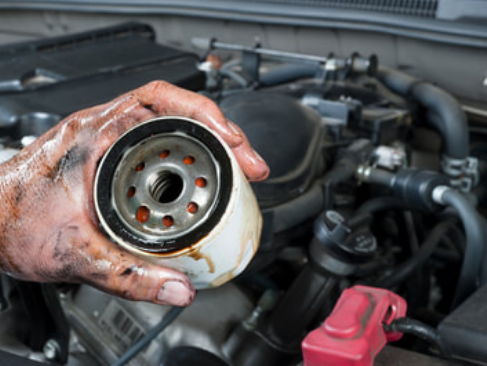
(353, 334)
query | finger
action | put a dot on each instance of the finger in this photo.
(166, 99)
(123, 114)
(252, 164)
(120, 273)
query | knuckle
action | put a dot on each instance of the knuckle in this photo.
(209, 105)
(155, 85)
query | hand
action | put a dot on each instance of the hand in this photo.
(48, 226)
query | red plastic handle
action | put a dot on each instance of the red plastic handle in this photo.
(353, 334)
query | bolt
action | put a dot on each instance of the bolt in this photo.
(51, 349)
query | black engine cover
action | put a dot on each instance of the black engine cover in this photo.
(287, 135)
(42, 82)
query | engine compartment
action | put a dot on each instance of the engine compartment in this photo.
(377, 179)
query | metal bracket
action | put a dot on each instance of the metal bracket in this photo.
(463, 173)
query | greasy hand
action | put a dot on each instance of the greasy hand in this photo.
(48, 226)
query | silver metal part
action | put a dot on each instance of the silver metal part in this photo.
(355, 62)
(471, 171)
(51, 349)
(369, 174)
(334, 217)
(165, 186)
(438, 192)
(106, 326)
(362, 173)
(463, 173)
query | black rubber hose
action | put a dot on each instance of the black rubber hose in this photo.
(418, 259)
(150, 335)
(312, 202)
(343, 170)
(446, 114)
(292, 213)
(288, 73)
(418, 329)
(456, 238)
(382, 204)
(347, 161)
(474, 249)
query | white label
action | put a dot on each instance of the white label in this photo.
(122, 329)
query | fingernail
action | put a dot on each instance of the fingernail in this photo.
(264, 174)
(174, 292)
(232, 126)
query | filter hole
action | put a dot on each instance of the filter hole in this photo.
(140, 167)
(192, 207)
(143, 214)
(131, 192)
(164, 154)
(168, 221)
(188, 160)
(200, 182)
(167, 187)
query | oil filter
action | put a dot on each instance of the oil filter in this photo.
(170, 191)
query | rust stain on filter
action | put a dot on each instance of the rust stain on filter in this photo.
(197, 255)
(220, 280)
(181, 252)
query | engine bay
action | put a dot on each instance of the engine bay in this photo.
(377, 183)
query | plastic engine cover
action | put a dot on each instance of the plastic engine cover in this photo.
(286, 134)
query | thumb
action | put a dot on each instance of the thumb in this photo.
(120, 273)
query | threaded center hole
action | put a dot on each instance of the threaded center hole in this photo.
(167, 187)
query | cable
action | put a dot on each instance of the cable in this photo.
(150, 335)
(418, 329)
(406, 269)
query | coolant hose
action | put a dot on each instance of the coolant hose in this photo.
(475, 253)
(382, 204)
(288, 73)
(445, 113)
(345, 166)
